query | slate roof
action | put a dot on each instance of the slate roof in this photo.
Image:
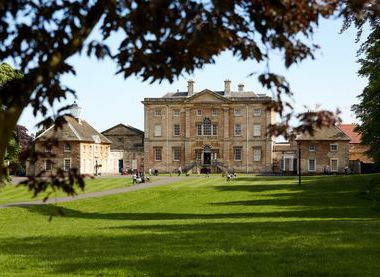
(73, 130)
(183, 94)
(349, 130)
(138, 131)
(325, 133)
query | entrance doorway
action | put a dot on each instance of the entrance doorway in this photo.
(207, 158)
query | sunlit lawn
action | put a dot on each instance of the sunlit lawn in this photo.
(251, 226)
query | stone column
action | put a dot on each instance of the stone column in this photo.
(226, 126)
(146, 122)
(188, 127)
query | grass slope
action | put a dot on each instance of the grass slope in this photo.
(252, 226)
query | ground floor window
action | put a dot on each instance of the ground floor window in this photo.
(48, 165)
(66, 164)
(312, 165)
(334, 165)
(158, 154)
(176, 154)
(198, 155)
(237, 153)
(256, 154)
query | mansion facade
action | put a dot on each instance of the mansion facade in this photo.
(208, 128)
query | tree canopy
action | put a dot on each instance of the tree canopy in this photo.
(368, 110)
(161, 40)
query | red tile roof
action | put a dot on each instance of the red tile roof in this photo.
(349, 130)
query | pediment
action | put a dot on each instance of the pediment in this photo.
(207, 96)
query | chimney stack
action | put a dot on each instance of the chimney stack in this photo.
(227, 88)
(241, 87)
(190, 88)
(75, 111)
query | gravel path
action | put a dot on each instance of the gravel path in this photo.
(155, 183)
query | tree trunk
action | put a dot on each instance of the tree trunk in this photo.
(8, 122)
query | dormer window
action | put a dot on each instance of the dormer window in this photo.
(67, 147)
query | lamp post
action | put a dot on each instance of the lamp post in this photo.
(299, 163)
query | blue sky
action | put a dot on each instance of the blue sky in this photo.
(329, 81)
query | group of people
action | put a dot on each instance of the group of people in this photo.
(140, 177)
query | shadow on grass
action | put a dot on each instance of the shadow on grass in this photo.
(217, 249)
(327, 212)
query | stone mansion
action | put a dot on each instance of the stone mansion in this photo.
(215, 130)
(206, 128)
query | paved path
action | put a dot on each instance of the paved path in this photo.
(155, 183)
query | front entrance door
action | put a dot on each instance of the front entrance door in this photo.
(121, 166)
(207, 158)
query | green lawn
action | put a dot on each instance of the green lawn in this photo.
(251, 226)
(13, 193)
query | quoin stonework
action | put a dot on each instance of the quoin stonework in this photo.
(208, 129)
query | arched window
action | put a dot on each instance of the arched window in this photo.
(207, 127)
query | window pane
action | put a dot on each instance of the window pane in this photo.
(256, 130)
(311, 165)
(66, 164)
(257, 112)
(199, 129)
(207, 127)
(237, 130)
(157, 130)
(48, 165)
(237, 154)
(214, 129)
(158, 154)
(176, 154)
(176, 130)
(334, 165)
(257, 154)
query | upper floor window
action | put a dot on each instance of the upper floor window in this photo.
(47, 148)
(214, 129)
(214, 112)
(176, 112)
(199, 112)
(176, 130)
(157, 130)
(257, 112)
(312, 148)
(237, 130)
(257, 130)
(67, 147)
(157, 112)
(237, 112)
(207, 128)
(333, 147)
